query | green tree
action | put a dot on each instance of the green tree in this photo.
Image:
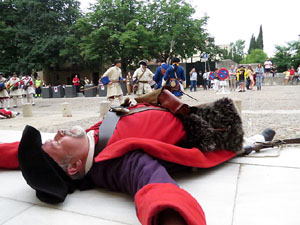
(287, 56)
(177, 32)
(235, 52)
(115, 29)
(40, 28)
(252, 44)
(256, 56)
(133, 30)
(8, 48)
(260, 41)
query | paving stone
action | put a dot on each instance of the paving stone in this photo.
(10, 208)
(48, 216)
(215, 190)
(267, 195)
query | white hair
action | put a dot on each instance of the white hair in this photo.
(75, 131)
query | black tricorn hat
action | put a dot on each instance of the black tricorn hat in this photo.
(40, 171)
(175, 60)
(143, 62)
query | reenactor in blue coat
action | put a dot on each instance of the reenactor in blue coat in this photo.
(175, 78)
(159, 74)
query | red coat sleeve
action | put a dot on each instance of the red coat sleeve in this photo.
(9, 155)
(154, 198)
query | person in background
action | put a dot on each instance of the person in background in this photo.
(216, 80)
(274, 70)
(4, 96)
(268, 66)
(232, 76)
(129, 83)
(175, 78)
(76, 83)
(286, 76)
(28, 88)
(159, 74)
(86, 80)
(112, 78)
(241, 76)
(292, 74)
(13, 85)
(143, 77)
(251, 77)
(298, 75)
(38, 87)
(193, 79)
(259, 71)
(205, 80)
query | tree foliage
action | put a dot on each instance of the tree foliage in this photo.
(256, 56)
(41, 34)
(176, 31)
(256, 43)
(252, 45)
(260, 39)
(287, 56)
(37, 30)
(235, 52)
(132, 30)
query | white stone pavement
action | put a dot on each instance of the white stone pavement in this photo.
(245, 191)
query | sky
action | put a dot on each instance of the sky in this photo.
(231, 20)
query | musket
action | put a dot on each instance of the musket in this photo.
(189, 96)
(89, 88)
(270, 144)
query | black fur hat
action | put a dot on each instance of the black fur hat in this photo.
(214, 126)
(40, 171)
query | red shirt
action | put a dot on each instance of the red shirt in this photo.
(76, 81)
(292, 72)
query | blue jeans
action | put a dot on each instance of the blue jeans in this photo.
(258, 81)
(193, 85)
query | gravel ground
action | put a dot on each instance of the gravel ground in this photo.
(277, 107)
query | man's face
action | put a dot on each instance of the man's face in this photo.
(144, 67)
(163, 71)
(118, 65)
(232, 67)
(64, 146)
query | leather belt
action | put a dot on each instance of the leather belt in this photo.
(110, 122)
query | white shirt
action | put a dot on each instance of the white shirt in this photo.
(268, 64)
(206, 75)
(194, 76)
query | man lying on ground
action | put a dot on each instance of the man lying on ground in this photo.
(135, 156)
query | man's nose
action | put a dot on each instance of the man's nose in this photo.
(59, 134)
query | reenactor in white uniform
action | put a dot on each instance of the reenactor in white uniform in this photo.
(112, 78)
(28, 88)
(13, 85)
(3, 92)
(142, 77)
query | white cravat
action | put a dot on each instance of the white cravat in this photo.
(90, 157)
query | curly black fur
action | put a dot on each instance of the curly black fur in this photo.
(214, 126)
